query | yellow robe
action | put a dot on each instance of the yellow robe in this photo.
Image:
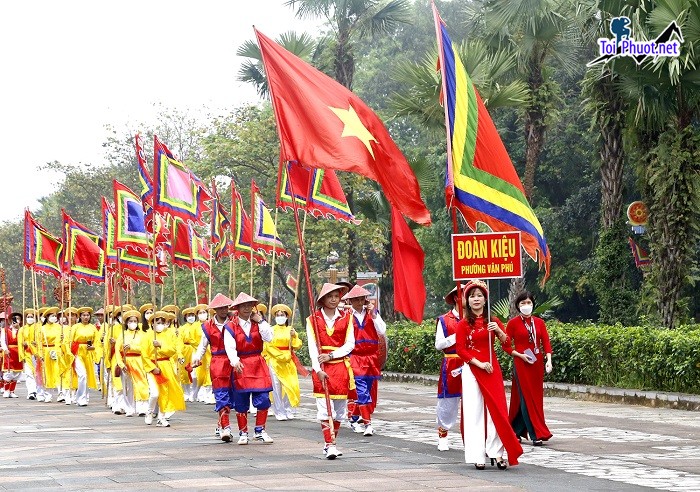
(25, 336)
(133, 361)
(50, 338)
(109, 352)
(202, 372)
(82, 333)
(189, 342)
(279, 357)
(170, 395)
(68, 376)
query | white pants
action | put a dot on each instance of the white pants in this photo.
(480, 438)
(339, 408)
(81, 394)
(152, 395)
(447, 410)
(29, 380)
(280, 401)
(128, 403)
(11, 376)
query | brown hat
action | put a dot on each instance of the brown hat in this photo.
(219, 301)
(356, 291)
(171, 308)
(166, 315)
(85, 309)
(189, 310)
(131, 313)
(200, 307)
(262, 308)
(242, 298)
(146, 307)
(328, 288)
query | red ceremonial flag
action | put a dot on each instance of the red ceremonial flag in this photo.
(84, 254)
(324, 125)
(409, 288)
(43, 252)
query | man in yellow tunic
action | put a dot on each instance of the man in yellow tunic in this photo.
(186, 336)
(158, 353)
(285, 380)
(85, 348)
(69, 381)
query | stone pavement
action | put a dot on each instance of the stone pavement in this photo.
(596, 446)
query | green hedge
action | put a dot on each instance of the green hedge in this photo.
(601, 355)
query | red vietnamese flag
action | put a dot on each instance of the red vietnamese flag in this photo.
(322, 124)
(409, 259)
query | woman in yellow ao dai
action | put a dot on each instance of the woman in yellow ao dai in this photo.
(128, 352)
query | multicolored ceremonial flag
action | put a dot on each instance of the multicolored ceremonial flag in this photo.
(220, 222)
(84, 255)
(641, 256)
(240, 247)
(291, 281)
(317, 191)
(137, 266)
(265, 236)
(481, 180)
(146, 184)
(42, 251)
(181, 243)
(177, 191)
(201, 255)
(130, 226)
(322, 124)
(108, 232)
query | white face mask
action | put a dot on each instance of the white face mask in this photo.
(53, 319)
(526, 309)
(132, 325)
(202, 316)
(280, 320)
(30, 320)
(190, 319)
(148, 315)
(159, 327)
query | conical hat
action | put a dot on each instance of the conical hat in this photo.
(200, 307)
(84, 309)
(219, 301)
(146, 307)
(356, 291)
(189, 310)
(131, 313)
(328, 288)
(450, 297)
(262, 308)
(242, 298)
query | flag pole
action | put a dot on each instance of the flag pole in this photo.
(296, 287)
(307, 277)
(272, 268)
(211, 271)
(488, 320)
(252, 235)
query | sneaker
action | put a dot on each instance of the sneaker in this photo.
(12, 395)
(263, 437)
(368, 430)
(47, 398)
(280, 417)
(129, 414)
(67, 402)
(82, 404)
(31, 396)
(331, 452)
(148, 419)
(243, 438)
(5, 394)
(357, 428)
(60, 398)
(226, 434)
(291, 416)
(443, 444)
(162, 423)
(118, 411)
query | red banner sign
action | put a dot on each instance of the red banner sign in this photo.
(486, 255)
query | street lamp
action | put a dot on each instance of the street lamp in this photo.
(332, 259)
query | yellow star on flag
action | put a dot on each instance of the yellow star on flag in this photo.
(354, 127)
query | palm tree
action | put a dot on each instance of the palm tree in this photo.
(664, 101)
(252, 72)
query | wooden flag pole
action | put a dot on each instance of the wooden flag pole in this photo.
(211, 271)
(296, 287)
(272, 269)
(307, 277)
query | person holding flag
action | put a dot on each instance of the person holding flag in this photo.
(12, 364)
(26, 346)
(331, 339)
(84, 341)
(50, 334)
(485, 421)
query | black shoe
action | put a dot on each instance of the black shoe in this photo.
(501, 464)
(537, 442)
(32, 396)
(479, 466)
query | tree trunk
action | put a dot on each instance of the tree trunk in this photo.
(535, 125)
(610, 125)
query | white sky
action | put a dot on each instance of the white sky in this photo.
(70, 67)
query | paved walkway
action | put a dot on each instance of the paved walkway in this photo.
(596, 446)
